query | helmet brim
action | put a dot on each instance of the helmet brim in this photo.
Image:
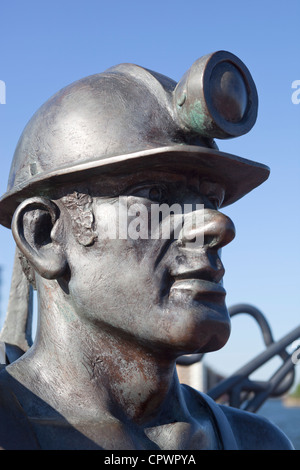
(238, 175)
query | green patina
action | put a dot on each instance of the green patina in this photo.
(195, 117)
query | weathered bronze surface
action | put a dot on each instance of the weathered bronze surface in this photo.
(115, 313)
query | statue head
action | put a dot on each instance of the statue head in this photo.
(113, 145)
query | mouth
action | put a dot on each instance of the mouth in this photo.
(200, 284)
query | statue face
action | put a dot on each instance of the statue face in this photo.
(165, 293)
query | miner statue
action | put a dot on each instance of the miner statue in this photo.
(113, 201)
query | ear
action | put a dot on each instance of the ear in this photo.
(35, 230)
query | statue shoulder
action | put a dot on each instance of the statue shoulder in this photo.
(239, 429)
(254, 432)
(15, 429)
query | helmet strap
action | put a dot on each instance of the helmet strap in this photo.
(17, 329)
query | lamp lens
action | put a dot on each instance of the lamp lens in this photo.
(228, 92)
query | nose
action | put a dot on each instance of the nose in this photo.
(208, 228)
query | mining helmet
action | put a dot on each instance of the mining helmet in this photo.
(129, 119)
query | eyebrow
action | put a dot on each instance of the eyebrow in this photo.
(120, 184)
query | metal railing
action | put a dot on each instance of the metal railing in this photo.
(238, 390)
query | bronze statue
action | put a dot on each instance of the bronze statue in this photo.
(116, 311)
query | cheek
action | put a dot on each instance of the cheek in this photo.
(111, 284)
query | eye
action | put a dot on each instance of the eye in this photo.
(214, 192)
(155, 193)
(215, 201)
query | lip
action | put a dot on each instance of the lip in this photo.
(199, 286)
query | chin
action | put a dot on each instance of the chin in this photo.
(199, 328)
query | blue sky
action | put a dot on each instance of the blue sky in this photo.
(47, 45)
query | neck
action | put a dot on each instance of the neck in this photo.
(80, 363)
